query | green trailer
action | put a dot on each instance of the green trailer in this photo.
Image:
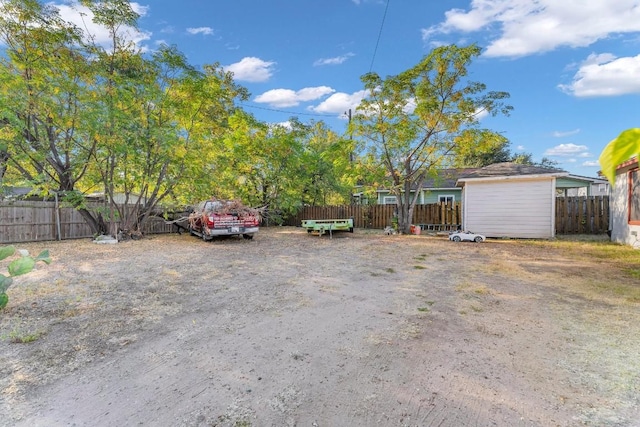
(322, 226)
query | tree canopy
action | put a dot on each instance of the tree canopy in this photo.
(422, 119)
(80, 117)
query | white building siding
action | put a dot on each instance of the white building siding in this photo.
(510, 208)
(621, 231)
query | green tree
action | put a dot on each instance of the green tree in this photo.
(79, 116)
(496, 150)
(419, 120)
(327, 170)
(260, 163)
(622, 148)
(43, 92)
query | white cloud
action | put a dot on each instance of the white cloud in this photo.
(81, 16)
(562, 134)
(591, 163)
(481, 113)
(333, 61)
(251, 69)
(527, 27)
(568, 150)
(605, 75)
(520, 148)
(206, 31)
(285, 124)
(288, 98)
(340, 102)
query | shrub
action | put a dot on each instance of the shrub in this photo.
(22, 264)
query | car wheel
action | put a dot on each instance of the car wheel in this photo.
(478, 239)
(248, 236)
(456, 239)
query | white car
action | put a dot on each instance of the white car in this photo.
(460, 236)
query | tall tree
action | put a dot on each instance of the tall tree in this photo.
(418, 120)
(495, 149)
(43, 91)
(327, 170)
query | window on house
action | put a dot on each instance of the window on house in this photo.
(449, 198)
(634, 197)
(603, 188)
(389, 200)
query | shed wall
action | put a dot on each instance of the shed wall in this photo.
(621, 231)
(510, 208)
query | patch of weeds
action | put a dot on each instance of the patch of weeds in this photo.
(390, 270)
(21, 337)
(421, 257)
(419, 267)
(482, 290)
(634, 272)
(477, 309)
(426, 309)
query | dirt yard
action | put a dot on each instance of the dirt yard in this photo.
(298, 330)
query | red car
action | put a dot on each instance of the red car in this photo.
(213, 218)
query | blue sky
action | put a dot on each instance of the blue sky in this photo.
(572, 67)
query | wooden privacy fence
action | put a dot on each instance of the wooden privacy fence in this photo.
(434, 216)
(574, 215)
(582, 215)
(30, 221)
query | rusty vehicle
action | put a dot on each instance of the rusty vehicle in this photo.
(214, 218)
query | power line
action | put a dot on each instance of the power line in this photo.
(379, 35)
(292, 113)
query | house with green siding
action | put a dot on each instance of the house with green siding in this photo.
(442, 188)
(438, 189)
(576, 185)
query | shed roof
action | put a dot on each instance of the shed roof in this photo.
(509, 169)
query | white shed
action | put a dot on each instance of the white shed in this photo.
(510, 200)
(625, 205)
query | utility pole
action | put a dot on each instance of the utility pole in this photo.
(352, 197)
(350, 136)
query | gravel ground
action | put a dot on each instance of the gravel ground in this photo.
(291, 329)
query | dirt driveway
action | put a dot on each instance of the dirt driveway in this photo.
(295, 330)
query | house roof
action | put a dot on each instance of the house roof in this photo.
(446, 178)
(632, 162)
(587, 179)
(509, 169)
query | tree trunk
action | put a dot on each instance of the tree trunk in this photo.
(96, 223)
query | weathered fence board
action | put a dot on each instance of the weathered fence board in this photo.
(30, 221)
(574, 215)
(582, 215)
(380, 216)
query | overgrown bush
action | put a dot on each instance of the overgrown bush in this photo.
(23, 264)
